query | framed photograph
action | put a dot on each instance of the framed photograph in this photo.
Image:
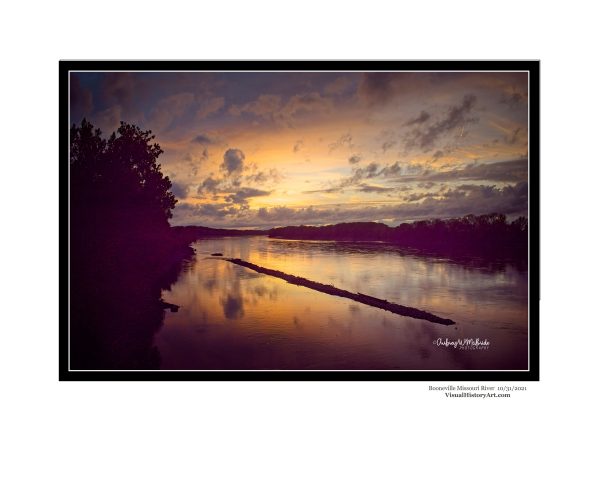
(299, 220)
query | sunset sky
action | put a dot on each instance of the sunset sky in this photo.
(288, 148)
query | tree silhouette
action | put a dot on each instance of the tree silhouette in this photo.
(122, 249)
(117, 182)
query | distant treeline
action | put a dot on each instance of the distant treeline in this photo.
(490, 235)
(191, 233)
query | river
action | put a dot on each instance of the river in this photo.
(232, 318)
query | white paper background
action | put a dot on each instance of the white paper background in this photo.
(296, 430)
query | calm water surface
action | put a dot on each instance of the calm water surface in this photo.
(234, 318)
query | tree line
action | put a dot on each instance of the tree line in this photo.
(491, 234)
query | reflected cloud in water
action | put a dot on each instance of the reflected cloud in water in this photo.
(233, 306)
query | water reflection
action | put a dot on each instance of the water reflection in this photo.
(233, 306)
(233, 318)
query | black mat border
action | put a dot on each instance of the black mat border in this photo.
(533, 66)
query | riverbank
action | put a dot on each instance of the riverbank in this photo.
(116, 301)
(491, 236)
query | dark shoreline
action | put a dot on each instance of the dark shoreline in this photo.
(358, 297)
(481, 240)
(116, 297)
(489, 236)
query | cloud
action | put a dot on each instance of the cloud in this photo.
(210, 106)
(276, 215)
(209, 210)
(209, 185)
(370, 170)
(303, 104)
(456, 202)
(374, 188)
(273, 108)
(344, 141)
(456, 116)
(339, 85)
(119, 88)
(233, 161)
(203, 139)
(223, 214)
(298, 145)
(263, 176)
(391, 170)
(462, 200)
(512, 138)
(230, 189)
(354, 159)
(417, 196)
(243, 194)
(108, 120)
(378, 87)
(169, 109)
(422, 118)
(179, 190)
(264, 106)
(514, 100)
(387, 145)
(259, 177)
(81, 102)
(194, 159)
(335, 189)
(511, 171)
(508, 171)
(359, 174)
(382, 87)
